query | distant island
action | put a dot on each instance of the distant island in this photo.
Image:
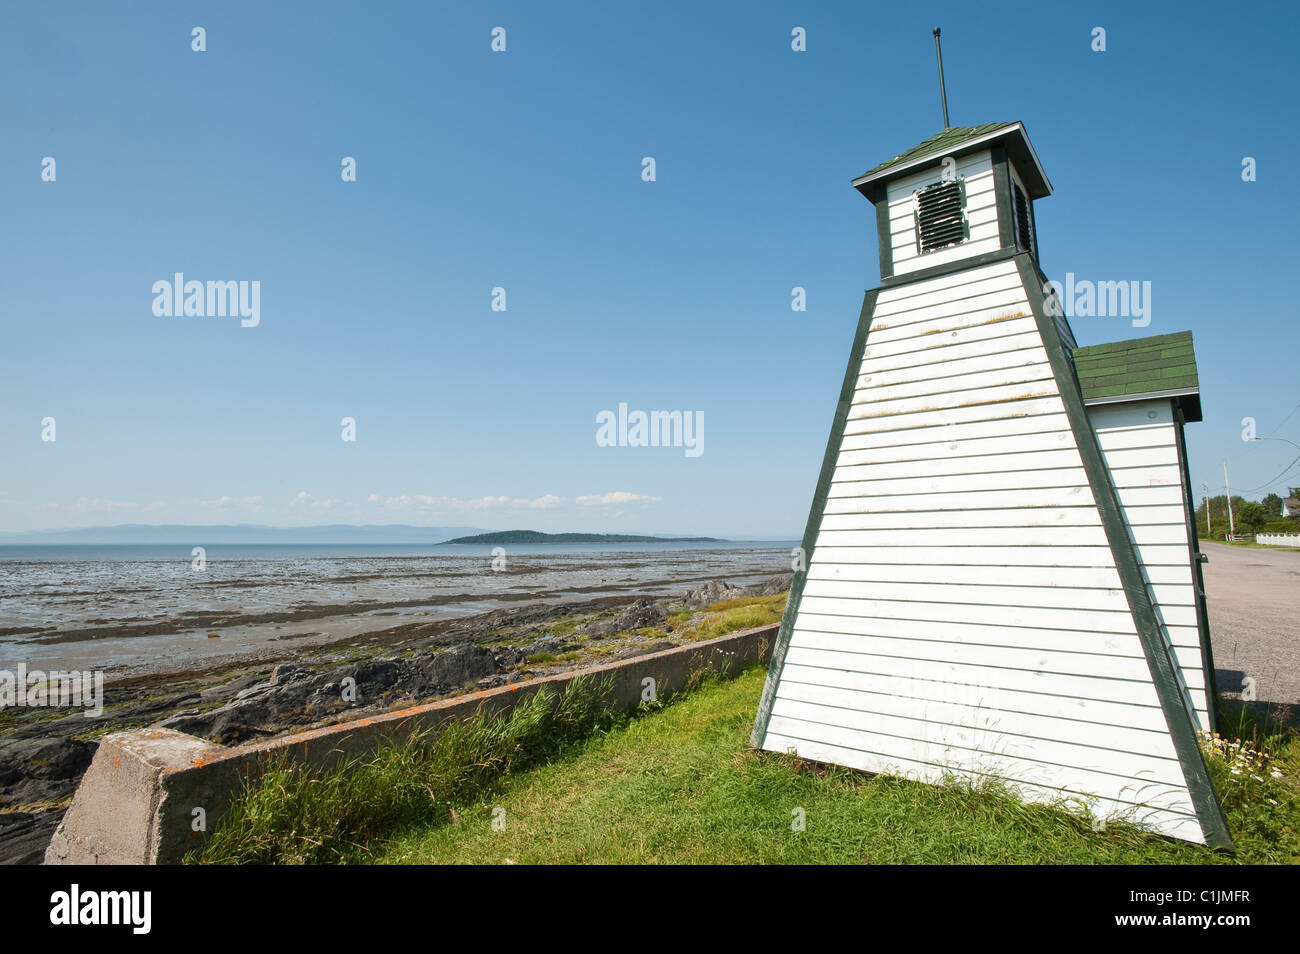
(534, 536)
(136, 534)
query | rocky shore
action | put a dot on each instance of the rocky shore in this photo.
(43, 754)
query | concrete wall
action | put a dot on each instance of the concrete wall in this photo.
(136, 802)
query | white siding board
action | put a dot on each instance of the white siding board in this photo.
(984, 574)
(868, 394)
(952, 366)
(931, 519)
(940, 556)
(1101, 772)
(933, 353)
(955, 399)
(1002, 741)
(952, 446)
(1034, 617)
(978, 594)
(1164, 820)
(1035, 660)
(974, 712)
(973, 500)
(973, 338)
(972, 412)
(1080, 709)
(958, 432)
(985, 634)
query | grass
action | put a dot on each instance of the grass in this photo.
(678, 783)
(1255, 764)
(682, 786)
(299, 815)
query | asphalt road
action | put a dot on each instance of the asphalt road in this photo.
(1253, 597)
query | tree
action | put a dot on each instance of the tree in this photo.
(1219, 511)
(1273, 504)
(1252, 516)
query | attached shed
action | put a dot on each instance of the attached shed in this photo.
(1139, 394)
(990, 574)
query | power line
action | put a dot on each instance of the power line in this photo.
(1274, 480)
(1284, 420)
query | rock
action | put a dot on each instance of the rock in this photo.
(714, 591)
(230, 688)
(288, 673)
(38, 769)
(25, 836)
(297, 696)
(640, 614)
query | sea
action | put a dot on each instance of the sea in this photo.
(130, 610)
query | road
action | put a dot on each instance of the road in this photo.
(1253, 597)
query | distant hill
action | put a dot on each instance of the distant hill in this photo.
(200, 535)
(534, 536)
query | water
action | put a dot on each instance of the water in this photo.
(130, 609)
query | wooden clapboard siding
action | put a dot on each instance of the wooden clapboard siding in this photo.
(962, 609)
(1161, 810)
(976, 171)
(1140, 444)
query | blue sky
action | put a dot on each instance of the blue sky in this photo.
(522, 170)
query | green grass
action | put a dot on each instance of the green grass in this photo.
(678, 783)
(682, 786)
(299, 815)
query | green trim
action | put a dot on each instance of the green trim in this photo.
(1155, 646)
(880, 199)
(958, 265)
(1198, 579)
(1002, 192)
(1033, 229)
(814, 520)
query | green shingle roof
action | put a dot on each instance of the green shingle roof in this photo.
(941, 142)
(1158, 365)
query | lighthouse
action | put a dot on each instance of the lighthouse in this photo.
(999, 579)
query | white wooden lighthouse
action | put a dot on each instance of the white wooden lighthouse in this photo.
(1001, 580)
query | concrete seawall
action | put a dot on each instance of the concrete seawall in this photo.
(146, 789)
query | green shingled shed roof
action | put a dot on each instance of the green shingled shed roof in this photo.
(953, 141)
(1164, 365)
(942, 142)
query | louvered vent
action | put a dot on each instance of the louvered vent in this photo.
(1023, 235)
(940, 221)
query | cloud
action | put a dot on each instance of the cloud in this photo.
(304, 499)
(617, 497)
(227, 503)
(87, 505)
(442, 504)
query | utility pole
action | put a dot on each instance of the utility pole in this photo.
(1232, 529)
(1205, 492)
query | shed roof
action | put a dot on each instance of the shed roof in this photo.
(1141, 368)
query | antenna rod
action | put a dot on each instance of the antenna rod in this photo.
(943, 91)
